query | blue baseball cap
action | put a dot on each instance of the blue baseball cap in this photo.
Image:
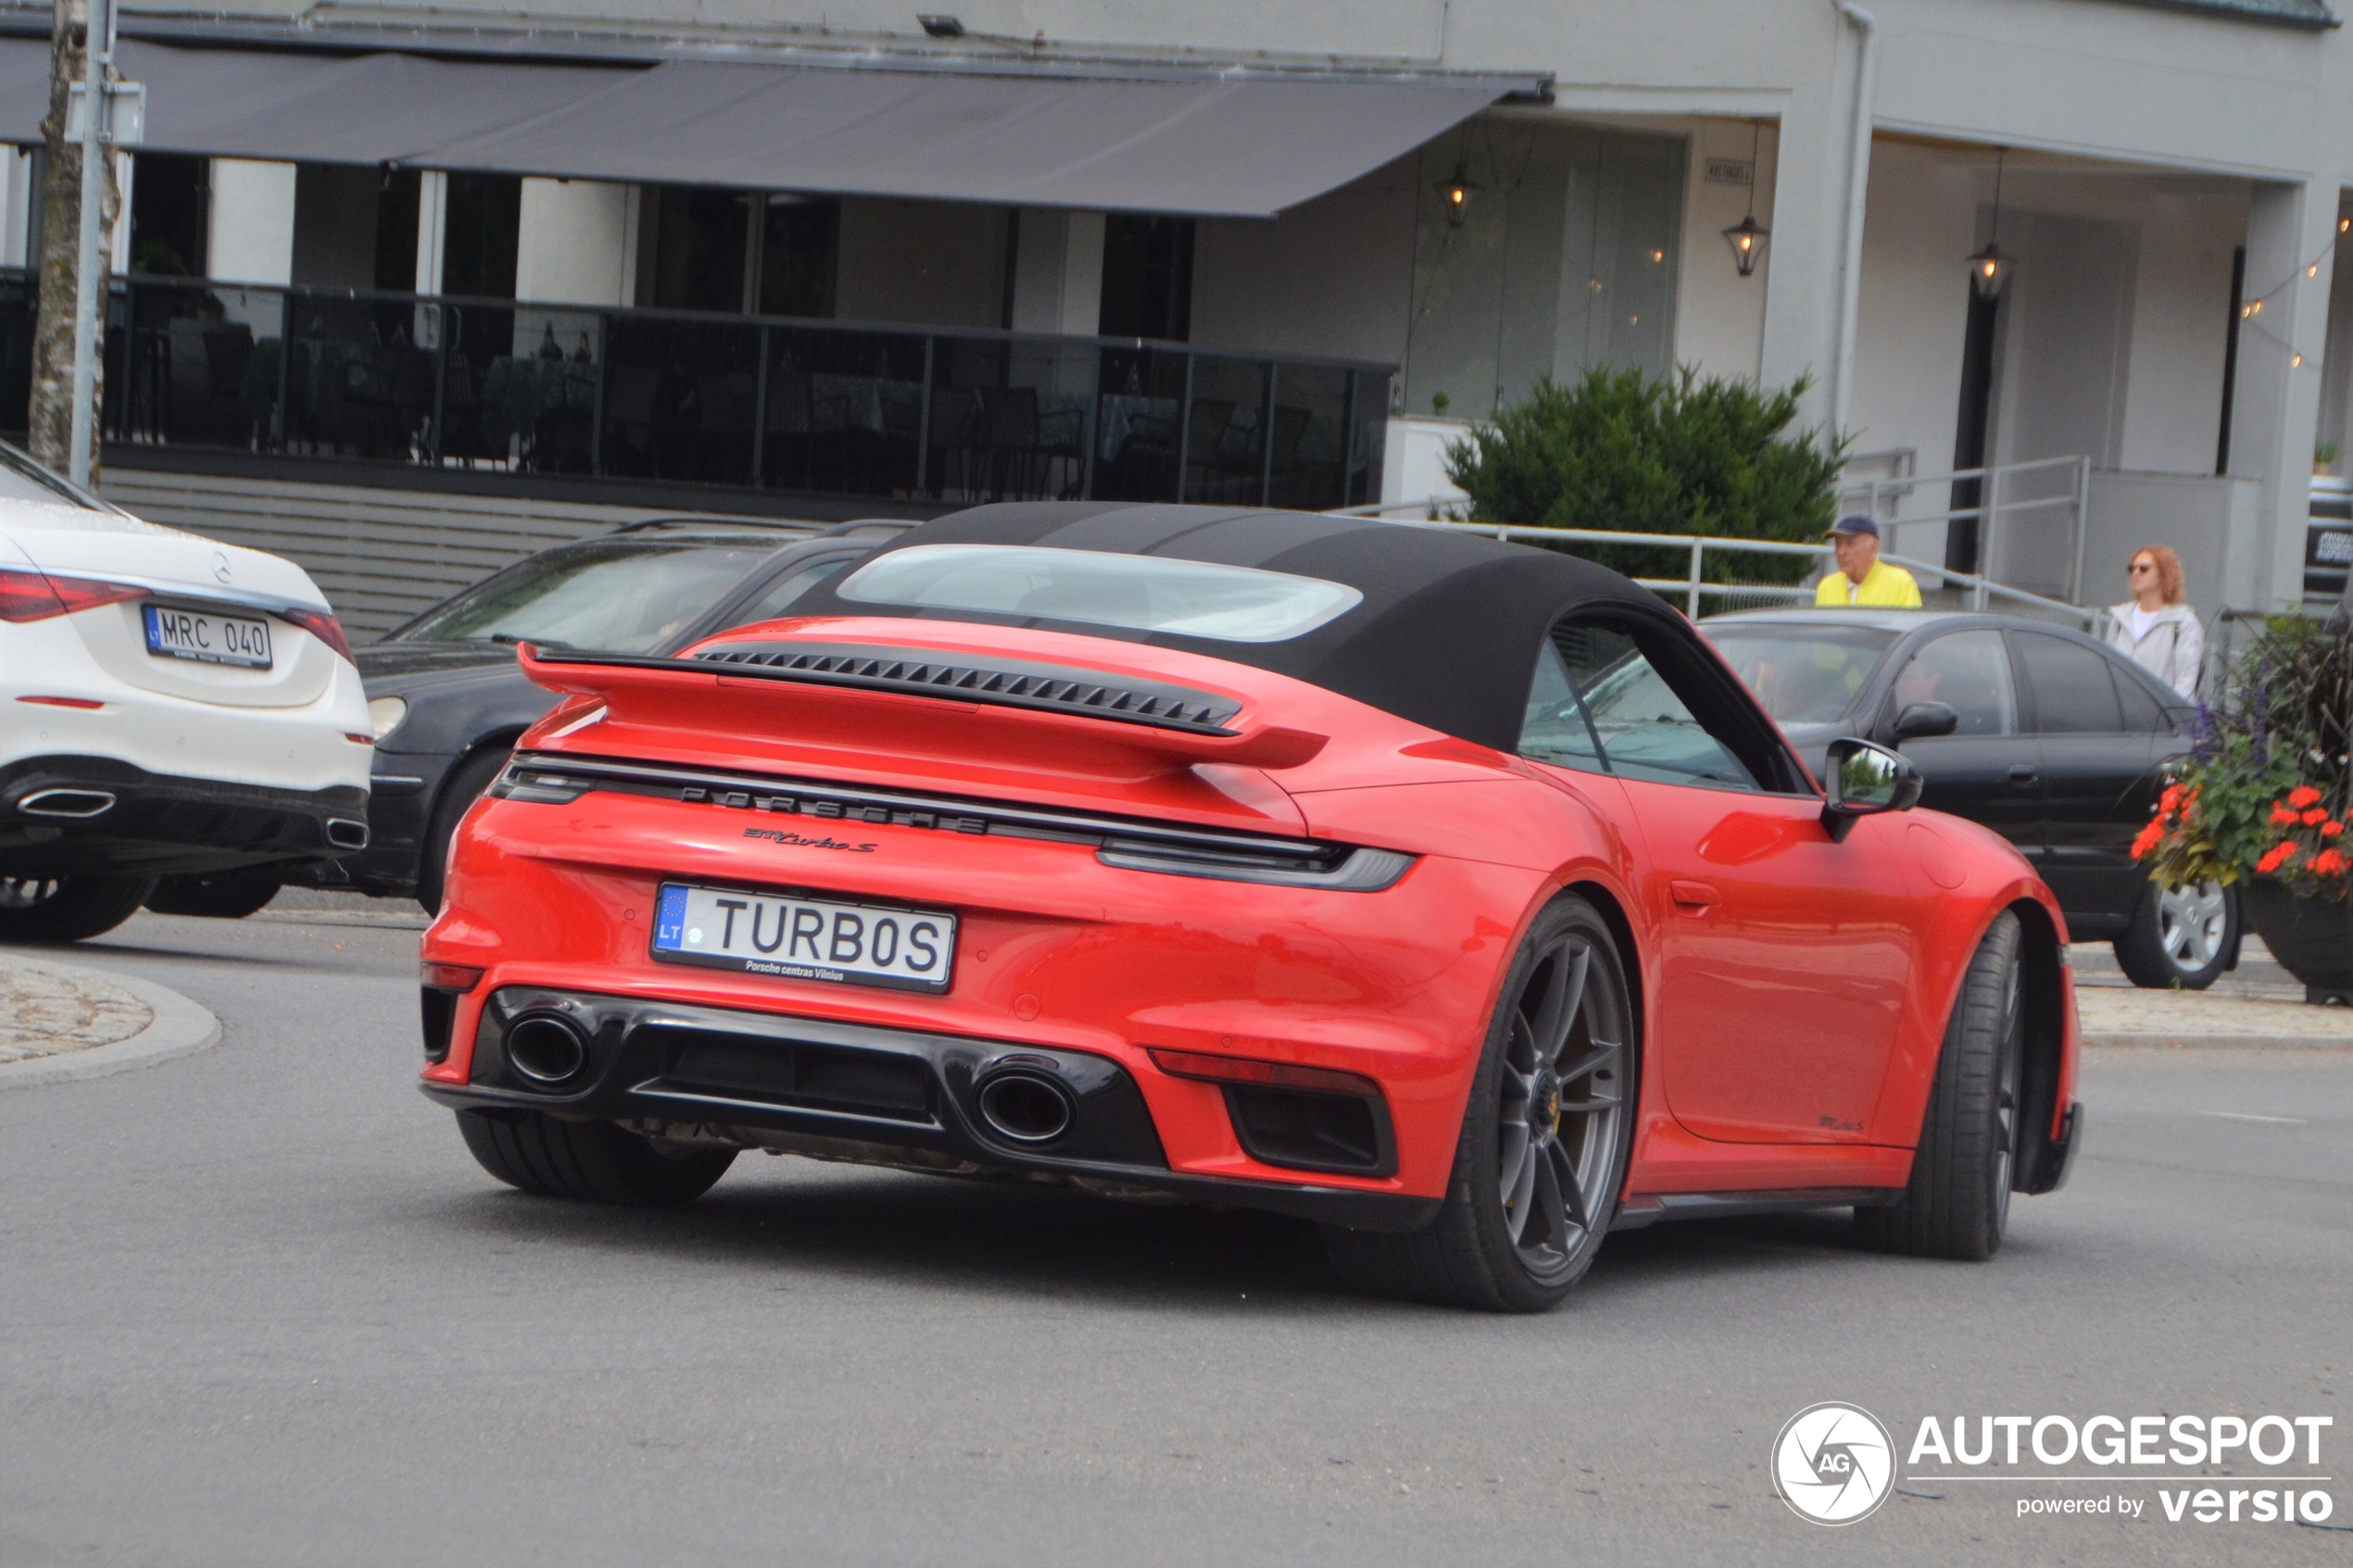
(1854, 524)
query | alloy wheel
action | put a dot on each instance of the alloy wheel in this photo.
(27, 892)
(1561, 1113)
(2191, 922)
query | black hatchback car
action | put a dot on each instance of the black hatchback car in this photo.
(448, 700)
(2053, 740)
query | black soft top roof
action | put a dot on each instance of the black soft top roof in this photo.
(1447, 635)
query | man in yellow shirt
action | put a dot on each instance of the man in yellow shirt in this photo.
(1862, 577)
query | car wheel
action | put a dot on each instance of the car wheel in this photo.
(1958, 1203)
(1543, 1153)
(67, 908)
(467, 781)
(226, 896)
(2180, 937)
(593, 1161)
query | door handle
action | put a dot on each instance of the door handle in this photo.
(2022, 774)
(1693, 894)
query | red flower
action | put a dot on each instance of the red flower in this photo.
(2330, 862)
(2282, 817)
(2302, 795)
(2315, 817)
(2170, 798)
(2275, 857)
(2148, 839)
(2330, 830)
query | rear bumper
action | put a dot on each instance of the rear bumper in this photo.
(66, 816)
(401, 792)
(896, 1095)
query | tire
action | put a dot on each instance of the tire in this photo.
(466, 782)
(592, 1161)
(1958, 1203)
(1484, 1251)
(67, 908)
(223, 896)
(2183, 936)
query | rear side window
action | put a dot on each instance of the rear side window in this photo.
(2073, 694)
(1968, 672)
(2143, 713)
(1636, 724)
(780, 594)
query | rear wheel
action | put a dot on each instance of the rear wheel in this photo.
(1958, 1203)
(467, 781)
(1543, 1148)
(223, 896)
(593, 1161)
(2180, 937)
(66, 909)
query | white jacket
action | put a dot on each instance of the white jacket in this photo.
(2173, 649)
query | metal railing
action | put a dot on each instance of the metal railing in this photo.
(1977, 591)
(1985, 504)
(873, 410)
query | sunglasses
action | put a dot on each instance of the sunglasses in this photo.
(2142, 565)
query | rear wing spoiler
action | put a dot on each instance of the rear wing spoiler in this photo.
(1182, 724)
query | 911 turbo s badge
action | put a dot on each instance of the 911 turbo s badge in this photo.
(786, 836)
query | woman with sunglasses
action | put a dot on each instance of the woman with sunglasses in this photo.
(2154, 627)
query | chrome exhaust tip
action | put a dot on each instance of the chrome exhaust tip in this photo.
(546, 1049)
(71, 803)
(1024, 1107)
(344, 834)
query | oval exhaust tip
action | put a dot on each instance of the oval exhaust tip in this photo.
(344, 834)
(71, 803)
(1025, 1108)
(547, 1050)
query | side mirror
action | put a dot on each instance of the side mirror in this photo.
(1921, 719)
(1865, 780)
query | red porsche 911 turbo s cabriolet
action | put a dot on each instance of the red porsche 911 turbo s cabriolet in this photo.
(1451, 894)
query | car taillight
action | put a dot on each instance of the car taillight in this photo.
(451, 976)
(34, 595)
(1266, 1075)
(322, 625)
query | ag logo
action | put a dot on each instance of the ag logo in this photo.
(1834, 1464)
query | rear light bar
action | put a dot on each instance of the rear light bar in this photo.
(1262, 1074)
(34, 595)
(323, 624)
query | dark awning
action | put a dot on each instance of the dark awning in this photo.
(1240, 142)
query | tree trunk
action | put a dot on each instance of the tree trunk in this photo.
(50, 417)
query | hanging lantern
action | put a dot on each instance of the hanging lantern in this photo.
(1747, 239)
(1457, 193)
(1988, 270)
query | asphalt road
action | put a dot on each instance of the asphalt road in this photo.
(257, 1306)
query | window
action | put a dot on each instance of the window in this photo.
(1637, 725)
(481, 218)
(799, 244)
(1147, 277)
(2143, 713)
(698, 248)
(1968, 672)
(1188, 598)
(773, 603)
(169, 193)
(2073, 694)
(1803, 674)
(612, 598)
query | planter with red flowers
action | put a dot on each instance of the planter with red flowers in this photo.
(2265, 800)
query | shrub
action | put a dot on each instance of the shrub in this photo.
(2267, 785)
(1620, 451)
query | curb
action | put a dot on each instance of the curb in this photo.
(179, 1028)
(2217, 1042)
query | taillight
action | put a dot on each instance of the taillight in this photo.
(322, 625)
(451, 976)
(1266, 1075)
(33, 596)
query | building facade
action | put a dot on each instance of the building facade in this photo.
(849, 260)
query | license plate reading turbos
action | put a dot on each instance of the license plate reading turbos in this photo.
(797, 938)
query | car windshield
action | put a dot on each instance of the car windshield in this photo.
(21, 478)
(1804, 673)
(1233, 603)
(608, 596)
